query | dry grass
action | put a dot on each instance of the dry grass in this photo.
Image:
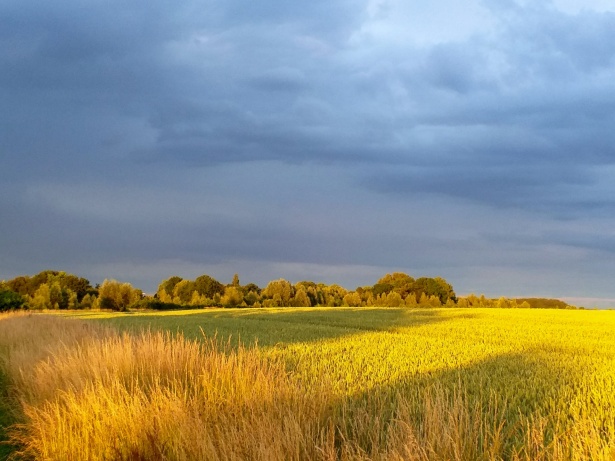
(90, 393)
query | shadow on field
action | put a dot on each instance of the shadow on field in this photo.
(269, 327)
(508, 391)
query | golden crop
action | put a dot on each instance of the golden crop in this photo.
(358, 383)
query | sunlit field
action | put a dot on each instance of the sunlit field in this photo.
(320, 383)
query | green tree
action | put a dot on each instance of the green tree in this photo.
(352, 299)
(393, 299)
(423, 300)
(232, 297)
(434, 287)
(251, 298)
(182, 292)
(410, 300)
(199, 300)
(68, 283)
(252, 287)
(311, 290)
(9, 300)
(58, 296)
(166, 287)
(279, 292)
(301, 298)
(20, 285)
(399, 282)
(208, 286)
(117, 296)
(446, 289)
(334, 295)
(87, 302)
(41, 298)
(382, 289)
(434, 301)
(78, 285)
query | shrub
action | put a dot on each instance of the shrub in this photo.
(9, 300)
(156, 304)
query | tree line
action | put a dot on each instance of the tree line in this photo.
(393, 290)
(58, 290)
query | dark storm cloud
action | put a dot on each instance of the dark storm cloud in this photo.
(519, 134)
(93, 61)
(240, 92)
(281, 79)
(156, 130)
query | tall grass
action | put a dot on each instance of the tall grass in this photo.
(85, 392)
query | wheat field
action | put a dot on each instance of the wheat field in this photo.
(303, 384)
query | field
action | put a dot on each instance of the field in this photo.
(316, 383)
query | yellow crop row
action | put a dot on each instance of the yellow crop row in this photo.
(382, 384)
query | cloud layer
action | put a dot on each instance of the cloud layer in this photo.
(471, 141)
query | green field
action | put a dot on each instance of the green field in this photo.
(535, 384)
(359, 349)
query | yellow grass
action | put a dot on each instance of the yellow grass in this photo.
(87, 392)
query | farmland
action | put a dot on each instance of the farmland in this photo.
(342, 383)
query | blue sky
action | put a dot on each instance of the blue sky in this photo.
(332, 140)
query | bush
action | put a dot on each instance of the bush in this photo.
(9, 300)
(105, 302)
(157, 305)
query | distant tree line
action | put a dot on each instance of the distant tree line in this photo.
(59, 290)
(393, 290)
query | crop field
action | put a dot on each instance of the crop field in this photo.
(318, 383)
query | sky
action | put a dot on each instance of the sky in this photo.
(331, 140)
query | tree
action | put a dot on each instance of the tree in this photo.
(208, 286)
(410, 300)
(118, 296)
(434, 287)
(52, 296)
(301, 298)
(41, 298)
(67, 283)
(279, 292)
(58, 297)
(394, 299)
(251, 299)
(166, 287)
(503, 303)
(78, 285)
(251, 294)
(87, 302)
(233, 297)
(311, 290)
(19, 285)
(447, 289)
(382, 289)
(434, 301)
(198, 300)
(352, 299)
(423, 300)
(399, 282)
(9, 300)
(252, 287)
(334, 295)
(182, 292)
